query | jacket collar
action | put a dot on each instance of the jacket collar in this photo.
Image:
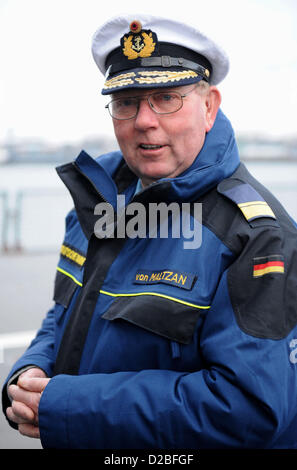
(217, 160)
(109, 175)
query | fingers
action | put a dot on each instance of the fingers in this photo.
(25, 401)
(26, 428)
(20, 414)
(28, 398)
(29, 430)
(33, 384)
(25, 398)
(33, 372)
(23, 413)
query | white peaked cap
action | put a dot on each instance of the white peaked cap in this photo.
(170, 34)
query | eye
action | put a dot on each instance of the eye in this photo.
(128, 102)
(160, 99)
(166, 97)
(124, 103)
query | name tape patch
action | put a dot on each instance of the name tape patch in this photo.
(72, 255)
(165, 276)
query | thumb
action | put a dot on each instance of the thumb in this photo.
(33, 384)
(33, 372)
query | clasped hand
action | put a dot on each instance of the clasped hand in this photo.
(25, 396)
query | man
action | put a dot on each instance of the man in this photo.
(153, 343)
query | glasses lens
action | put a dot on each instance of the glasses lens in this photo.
(161, 102)
(166, 102)
(123, 108)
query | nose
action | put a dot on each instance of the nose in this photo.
(146, 118)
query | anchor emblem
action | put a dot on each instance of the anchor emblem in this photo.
(139, 43)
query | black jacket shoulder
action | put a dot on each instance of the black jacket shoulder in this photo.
(262, 281)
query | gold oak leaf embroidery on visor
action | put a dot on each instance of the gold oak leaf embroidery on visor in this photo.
(149, 77)
(120, 80)
(164, 76)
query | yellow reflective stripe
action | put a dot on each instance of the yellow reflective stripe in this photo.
(69, 275)
(157, 295)
(255, 209)
(137, 293)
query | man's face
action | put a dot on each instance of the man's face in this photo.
(158, 146)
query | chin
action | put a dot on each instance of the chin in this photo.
(155, 173)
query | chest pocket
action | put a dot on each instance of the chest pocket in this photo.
(64, 289)
(170, 318)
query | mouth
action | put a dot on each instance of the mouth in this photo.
(150, 146)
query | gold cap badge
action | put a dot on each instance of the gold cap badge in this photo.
(139, 43)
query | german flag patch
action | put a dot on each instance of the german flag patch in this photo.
(268, 264)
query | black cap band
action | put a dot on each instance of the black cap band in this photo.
(163, 61)
(169, 56)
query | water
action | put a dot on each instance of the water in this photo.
(33, 206)
(280, 178)
(34, 218)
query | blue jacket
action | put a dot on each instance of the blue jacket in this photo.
(151, 345)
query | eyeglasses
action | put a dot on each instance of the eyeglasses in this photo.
(161, 102)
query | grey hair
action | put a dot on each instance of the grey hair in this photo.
(203, 87)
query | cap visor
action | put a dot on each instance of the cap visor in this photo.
(148, 78)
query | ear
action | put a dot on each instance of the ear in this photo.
(212, 102)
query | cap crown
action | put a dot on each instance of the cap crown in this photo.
(149, 31)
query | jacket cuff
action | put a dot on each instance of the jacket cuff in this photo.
(53, 412)
(14, 378)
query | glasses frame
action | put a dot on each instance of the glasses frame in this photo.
(147, 97)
